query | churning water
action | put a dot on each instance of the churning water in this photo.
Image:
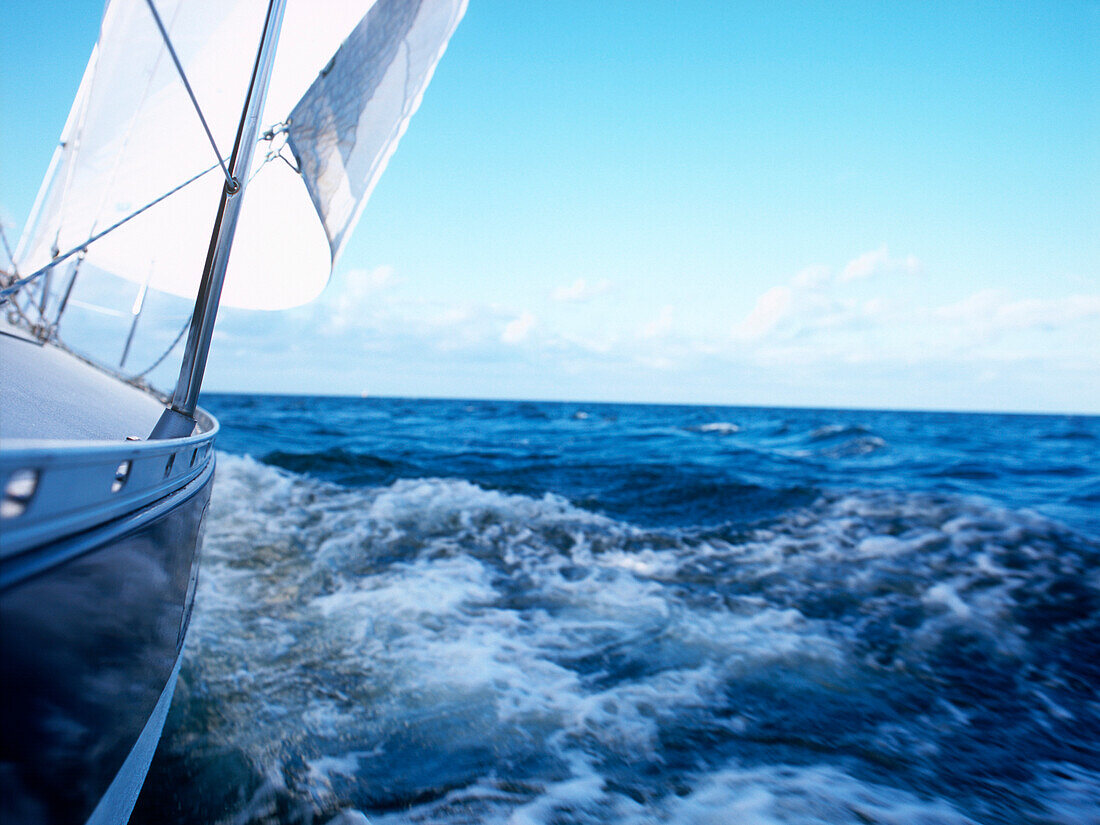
(494, 612)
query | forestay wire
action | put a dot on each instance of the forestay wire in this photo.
(232, 184)
(16, 285)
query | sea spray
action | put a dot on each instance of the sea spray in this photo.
(445, 649)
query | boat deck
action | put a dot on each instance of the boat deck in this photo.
(75, 453)
(46, 394)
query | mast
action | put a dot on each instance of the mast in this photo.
(178, 418)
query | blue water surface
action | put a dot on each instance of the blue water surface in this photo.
(494, 611)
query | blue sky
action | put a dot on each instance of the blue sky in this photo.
(859, 204)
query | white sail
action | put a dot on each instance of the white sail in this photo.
(133, 136)
(346, 127)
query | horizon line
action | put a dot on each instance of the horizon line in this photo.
(801, 407)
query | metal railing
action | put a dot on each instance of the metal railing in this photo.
(53, 489)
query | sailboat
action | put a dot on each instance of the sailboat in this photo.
(217, 150)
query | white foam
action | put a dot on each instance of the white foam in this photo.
(879, 546)
(349, 816)
(944, 595)
(322, 769)
(720, 427)
(773, 795)
(829, 430)
(1069, 794)
(799, 796)
(355, 615)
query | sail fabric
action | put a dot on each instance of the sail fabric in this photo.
(133, 135)
(345, 128)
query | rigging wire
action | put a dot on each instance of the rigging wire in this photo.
(231, 183)
(10, 290)
(172, 346)
(69, 289)
(31, 325)
(18, 284)
(275, 149)
(15, 275)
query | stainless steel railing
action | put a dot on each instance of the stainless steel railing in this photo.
(53, 489)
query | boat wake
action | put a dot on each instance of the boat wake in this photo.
(433, 651)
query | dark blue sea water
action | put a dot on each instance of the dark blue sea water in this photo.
(418, 611)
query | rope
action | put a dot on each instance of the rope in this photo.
(15, 286)
(230, 182)
(172, 346)
(14, 274)
(275, 150)
(19, 311)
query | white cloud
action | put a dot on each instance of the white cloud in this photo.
(601, 343)
(451, 316)
(1051, 313)
(354, 299)
(817, 329)
(376, 278)
(659, 326)
(979, 306)
(991, 311)
(815, 301)
(656, 362)
(580, 290)
(819, 318)
(878, 262)
(771, 308)
(812, 276)
(517, 330)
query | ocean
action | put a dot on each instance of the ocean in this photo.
(429, 611)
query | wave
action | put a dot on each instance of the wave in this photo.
(1088, 494)
(326, 459)
(834, 431)
(842, 441)
(644, 492)
(1057, 470)
(431, 650)
(746, 796)
(855, 447)
(966, 470)
(1069, 435)
(716, 428)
